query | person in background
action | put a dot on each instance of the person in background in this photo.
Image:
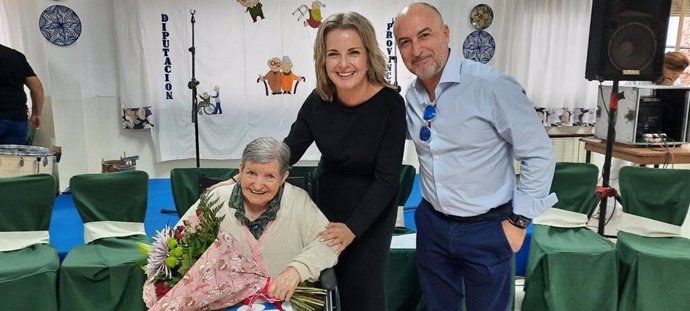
(15, 72)
(674, 65)
(469, 122)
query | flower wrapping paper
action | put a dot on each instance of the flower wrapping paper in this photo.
(223, 276)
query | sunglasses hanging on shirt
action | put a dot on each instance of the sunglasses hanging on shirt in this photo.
(429, 116)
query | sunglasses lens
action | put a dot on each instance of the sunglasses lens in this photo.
(429, 113)
(425, 133)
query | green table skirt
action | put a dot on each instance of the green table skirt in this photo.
(654, 273)
(570, 269)
(403, 292)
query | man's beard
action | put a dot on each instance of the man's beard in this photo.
(429, 71)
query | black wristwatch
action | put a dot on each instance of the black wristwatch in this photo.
(519, 220)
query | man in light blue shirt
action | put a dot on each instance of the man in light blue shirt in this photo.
(469, 122)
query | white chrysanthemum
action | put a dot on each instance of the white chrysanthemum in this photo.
(161, 251)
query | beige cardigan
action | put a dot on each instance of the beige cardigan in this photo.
(291, 239)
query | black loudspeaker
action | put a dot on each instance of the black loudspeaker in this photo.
(627, 40)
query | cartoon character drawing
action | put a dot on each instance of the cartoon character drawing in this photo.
(205, 104)
(254, 8)
(280, 78)
(216, 97)
(273, 78)
(289, 77)
(315, 17)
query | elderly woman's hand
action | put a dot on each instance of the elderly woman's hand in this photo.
(337, 233)
(283, 286)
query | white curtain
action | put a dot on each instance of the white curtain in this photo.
(6, 33)
(545, 48)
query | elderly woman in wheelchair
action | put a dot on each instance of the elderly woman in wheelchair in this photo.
(275, 222)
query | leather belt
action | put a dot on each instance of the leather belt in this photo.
(491, 214)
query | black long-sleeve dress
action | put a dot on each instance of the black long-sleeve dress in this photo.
(361, 155)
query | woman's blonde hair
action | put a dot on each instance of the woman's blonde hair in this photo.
(352, 21)
(676, 61)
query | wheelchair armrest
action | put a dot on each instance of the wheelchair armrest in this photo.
(328, 280)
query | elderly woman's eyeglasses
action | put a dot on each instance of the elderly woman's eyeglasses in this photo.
(429, 116)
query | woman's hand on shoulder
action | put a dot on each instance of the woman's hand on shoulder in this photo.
(337, 233)
(283, 286)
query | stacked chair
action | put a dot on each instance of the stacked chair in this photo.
(571, 267)
(104, 273)
(185, 184)
(28, 264)
(654, 260)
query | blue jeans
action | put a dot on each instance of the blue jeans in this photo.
(463, 262)
(13, 132)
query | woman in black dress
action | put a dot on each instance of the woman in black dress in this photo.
(357, 121)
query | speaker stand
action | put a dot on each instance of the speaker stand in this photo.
(606, 191)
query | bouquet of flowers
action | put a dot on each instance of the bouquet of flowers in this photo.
(197, 266)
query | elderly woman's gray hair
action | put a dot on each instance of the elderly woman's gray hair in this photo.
(267, 149)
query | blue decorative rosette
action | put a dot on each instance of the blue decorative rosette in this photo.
(60, 25)
(479, 46)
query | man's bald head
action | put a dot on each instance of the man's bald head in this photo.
(420, 6)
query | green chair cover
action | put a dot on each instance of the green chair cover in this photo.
(185, 184)
(28, 276)
(311, 175)
(654, 271)
(105, 273)
(571, 268)
(405, 182)
(403, 292)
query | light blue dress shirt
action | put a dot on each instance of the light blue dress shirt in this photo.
(484, 120)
